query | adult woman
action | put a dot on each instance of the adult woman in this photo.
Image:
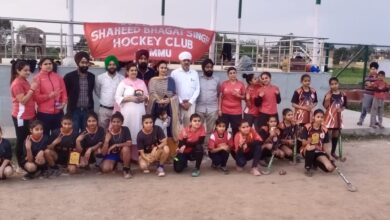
(251, 112)
(268, 99)
(232, 92)
(23, 104)
(50, 96)
(131, 96)
(162, 96)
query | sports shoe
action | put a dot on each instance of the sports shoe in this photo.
(56, 172)
(146, 171)
(28, 176)
(127, 173)
(309, 173)
(360, 123)
(224, 170)
(160, 172)
(195, 173)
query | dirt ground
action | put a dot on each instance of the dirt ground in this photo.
(212, 195)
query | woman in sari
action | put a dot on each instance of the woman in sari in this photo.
(163, 98)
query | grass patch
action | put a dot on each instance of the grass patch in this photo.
(351, 76)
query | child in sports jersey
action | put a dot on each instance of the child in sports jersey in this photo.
(304, 100)
(288, 131)
(271, 138)
(315, 148)
(335, 102)
(247, 146)
(62, 143)
(267, 100)
(117, 147)
(381, 88)
(90, 141)
(34, 155)
(5, 158)
(219, 146)
(251, 111)
(190, 146)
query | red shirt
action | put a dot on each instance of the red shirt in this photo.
(252, 136)
(253, 92)
(231, 104)
(216, 140)
(26, 111)
(47, 83)
(380, 85)
(192, 136)
(269, 103)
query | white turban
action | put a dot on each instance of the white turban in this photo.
(185, 56)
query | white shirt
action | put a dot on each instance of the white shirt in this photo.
(105, 88)
(187, 84)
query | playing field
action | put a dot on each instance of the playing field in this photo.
(212, 195)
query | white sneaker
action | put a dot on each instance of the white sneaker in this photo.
(160, 172)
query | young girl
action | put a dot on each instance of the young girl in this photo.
(251, 112)
(304, 100)
(23, 104)
(62, 144)
(315, 148)
(219, 146)
(190, 146)
(5, 158)
(34, 156)
(268, 99)
(247, 146)
(152, 146)
(232, 92)
(90, 141)
(271, 138)
(335, 102)
(288, 131)
(117, 146)
(163, 121)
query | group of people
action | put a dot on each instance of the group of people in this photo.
(375, 89)
(153, 118)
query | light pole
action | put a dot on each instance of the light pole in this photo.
(213, 27)
(69, 61)
(238, 33)
(316, 49)
(163, 12)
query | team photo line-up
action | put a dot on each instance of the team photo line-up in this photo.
(155, 118)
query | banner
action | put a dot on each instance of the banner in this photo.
(163, 42)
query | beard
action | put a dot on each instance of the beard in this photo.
(143, 65)
(111, 70)
(208, 73)
(83, 69)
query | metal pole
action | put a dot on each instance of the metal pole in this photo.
(212, 27)
(268, 55)
(263, 55)
(279, 57)
(238, 33)
(327, 51)
(257, 52)
(163, 12)
(223, 41)
(12, 40)
(61, 43)
(68, 61)
(315, 33)
(365, 64)
(290, 54)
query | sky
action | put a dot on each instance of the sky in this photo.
(342, 21)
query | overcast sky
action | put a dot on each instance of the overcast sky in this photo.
(349, 21)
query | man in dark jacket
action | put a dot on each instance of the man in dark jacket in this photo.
(79, 86)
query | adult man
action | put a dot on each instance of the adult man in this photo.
(144, 72)
(207, 103)
(369, 90)
(105, 88)
(79, 86)
(187, 86)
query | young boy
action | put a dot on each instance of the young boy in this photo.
(381, 87)
(368, 91)
(219, 146)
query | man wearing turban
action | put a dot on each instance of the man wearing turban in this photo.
(187, 86)
(145, 73)
(79, 86)
(105, 88)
